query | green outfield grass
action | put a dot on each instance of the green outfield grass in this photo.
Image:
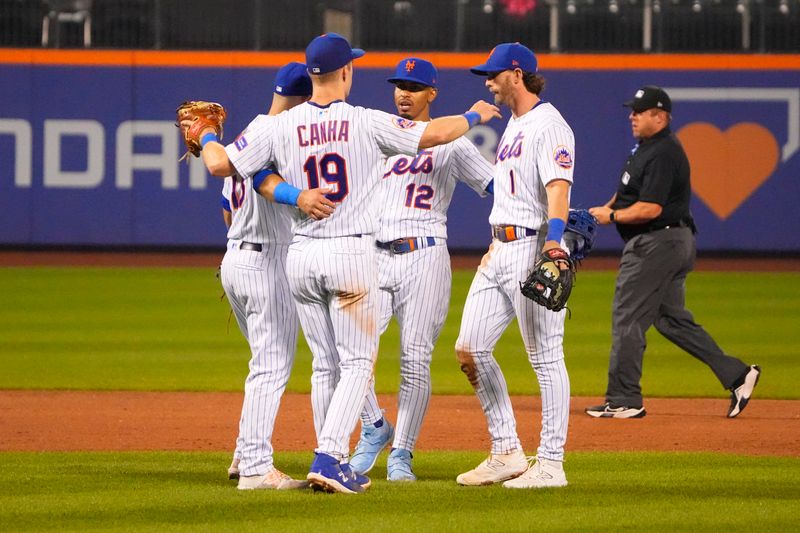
(166, 329)
(188, 492)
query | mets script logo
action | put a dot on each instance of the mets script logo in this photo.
(240, 142)
(562, 157)
(410, 64)
(403, 124)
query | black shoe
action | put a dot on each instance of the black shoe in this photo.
(609, 410)
(741, 395)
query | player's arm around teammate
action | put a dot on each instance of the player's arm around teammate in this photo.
(330, 263)
(312, 202)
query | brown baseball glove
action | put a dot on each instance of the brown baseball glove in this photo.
(196, 116)
(550, 282)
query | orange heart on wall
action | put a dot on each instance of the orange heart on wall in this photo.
(727, 167)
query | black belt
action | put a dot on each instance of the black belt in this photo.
(678, 224)
(407, 244)
(511, 233)
(628, 232)
(251, 246)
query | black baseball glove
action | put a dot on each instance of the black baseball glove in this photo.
(550, 282)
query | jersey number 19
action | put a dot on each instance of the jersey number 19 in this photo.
(333, 169)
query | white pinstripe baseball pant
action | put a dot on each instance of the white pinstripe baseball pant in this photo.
(257, 289)
(493, 301)
(335, 284)
(415, 287)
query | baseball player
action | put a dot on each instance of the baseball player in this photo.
(414, 266)
(329, 147)
(253, 275)
(532, 179)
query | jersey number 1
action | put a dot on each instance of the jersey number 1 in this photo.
(333, 169)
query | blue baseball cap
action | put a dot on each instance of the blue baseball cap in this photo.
(329, 52)
(292, 79)
(507, 56)
(415, 70)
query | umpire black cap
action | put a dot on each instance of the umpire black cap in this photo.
(650, 97)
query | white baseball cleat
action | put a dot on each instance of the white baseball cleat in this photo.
(274, 479)
(495, 468)
(543, 473)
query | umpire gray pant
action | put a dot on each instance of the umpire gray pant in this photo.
(650, 290)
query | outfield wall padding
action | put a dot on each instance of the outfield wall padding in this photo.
(89, 153)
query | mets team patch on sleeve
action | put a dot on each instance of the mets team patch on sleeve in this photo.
(240, 142)
(562, 156)
(403, 123)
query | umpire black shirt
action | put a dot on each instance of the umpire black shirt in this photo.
(657, 171)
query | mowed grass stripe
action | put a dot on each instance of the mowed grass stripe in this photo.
(166, 329)
(188, 492)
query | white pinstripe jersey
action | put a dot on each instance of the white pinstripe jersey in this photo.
(340, 146)
(536, 148)
(417, 190)
(253, 217)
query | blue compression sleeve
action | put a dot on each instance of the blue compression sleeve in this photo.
(260, 176)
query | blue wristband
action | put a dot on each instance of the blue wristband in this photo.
(207, 138)
(286, 194)
(473, 117)
(490, 187)
(555, 229)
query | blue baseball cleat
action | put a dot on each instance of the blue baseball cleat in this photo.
(326, 474)
(398, 468)
(361, 479)
(373, 440)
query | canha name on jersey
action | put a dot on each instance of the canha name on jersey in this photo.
(323, 132)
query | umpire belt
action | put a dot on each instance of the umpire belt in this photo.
(407, 244)
(251, 246)
(511, 233)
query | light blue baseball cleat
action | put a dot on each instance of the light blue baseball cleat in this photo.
(373, 440)
(398, 468)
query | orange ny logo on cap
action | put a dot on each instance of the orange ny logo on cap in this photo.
(410, 65)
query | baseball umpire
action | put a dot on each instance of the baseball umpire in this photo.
(651, 212)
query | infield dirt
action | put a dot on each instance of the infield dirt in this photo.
(89, 421)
